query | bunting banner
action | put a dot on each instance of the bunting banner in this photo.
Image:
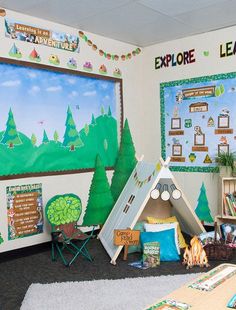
(108, 55)
(139, 182)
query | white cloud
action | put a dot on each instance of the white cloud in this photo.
(104, 85)
(34, 89)
(54, 88)
(32, 75)
(11, 83)
(71, 81)
(73, 94)
(90, 93)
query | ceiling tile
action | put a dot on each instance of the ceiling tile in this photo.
(22, 5)
(139, 22)
(173, 7)
(210, 18)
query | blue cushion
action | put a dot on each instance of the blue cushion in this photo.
(137, 248)
(168, 250)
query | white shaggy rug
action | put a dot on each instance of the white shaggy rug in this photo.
(124, 294)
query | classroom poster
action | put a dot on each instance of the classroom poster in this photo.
(198, 121)
(24, 210)
(22, 31)
(53, 121)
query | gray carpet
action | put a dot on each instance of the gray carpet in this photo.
(122, 294)
(19, 270)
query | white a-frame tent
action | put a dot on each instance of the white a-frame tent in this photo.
(134, 198)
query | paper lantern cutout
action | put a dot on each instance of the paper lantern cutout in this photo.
(155, 193)
(165, 195)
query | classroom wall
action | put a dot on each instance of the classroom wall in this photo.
(141, 106)
(78, 184)
(203, 66)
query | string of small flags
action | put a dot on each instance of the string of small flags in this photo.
(140, 183)
(107, 55)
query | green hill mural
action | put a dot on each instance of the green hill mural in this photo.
(52, 155)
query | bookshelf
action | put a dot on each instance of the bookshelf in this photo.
(227, 203)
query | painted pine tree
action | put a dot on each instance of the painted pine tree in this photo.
(93, 121)
(86, 129)
(33, 139)
(55, 136)
(202, 210)
(125, 163)
(11, 136)
(109, 112)
(71, 135)
(100, 201)
(45, 137)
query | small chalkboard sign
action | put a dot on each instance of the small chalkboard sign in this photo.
(126, 237)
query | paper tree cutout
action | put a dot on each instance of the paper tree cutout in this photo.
(64, 209)
(11, 136)
(1, 239)
(100, 200)
(71, 135)
(202, 210)
(125, 163)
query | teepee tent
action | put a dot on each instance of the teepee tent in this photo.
(134, 198)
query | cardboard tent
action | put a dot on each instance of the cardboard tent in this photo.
(134, 198)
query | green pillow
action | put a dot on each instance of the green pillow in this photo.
(137, 248)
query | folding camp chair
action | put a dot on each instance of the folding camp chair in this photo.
(67, 237)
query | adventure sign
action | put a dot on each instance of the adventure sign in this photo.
(126, 237)
(33, 34)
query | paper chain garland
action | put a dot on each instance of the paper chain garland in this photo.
(109, 56)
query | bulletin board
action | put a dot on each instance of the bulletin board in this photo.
(24, 210)
(198, 121)
(56, 120)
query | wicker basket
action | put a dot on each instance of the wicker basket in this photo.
(218, 250)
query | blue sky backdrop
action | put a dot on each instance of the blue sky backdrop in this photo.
(39, 99)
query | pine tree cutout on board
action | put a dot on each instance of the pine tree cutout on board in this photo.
(125, 163)
(202, 210)
(45, 137)
(11, 136)
(100, 200)
(71, 135)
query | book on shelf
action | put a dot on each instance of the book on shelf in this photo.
(229, 205)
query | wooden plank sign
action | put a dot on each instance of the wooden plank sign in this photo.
(126, 237)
